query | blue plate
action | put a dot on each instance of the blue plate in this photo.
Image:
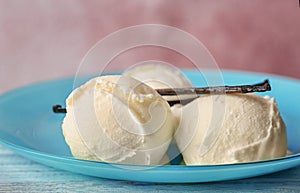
(28, 126)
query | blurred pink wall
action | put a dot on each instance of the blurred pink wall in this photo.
(45, 39)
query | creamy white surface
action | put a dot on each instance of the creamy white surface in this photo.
(160, 76)
(118, 119)
(251, 129)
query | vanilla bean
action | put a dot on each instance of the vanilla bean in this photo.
(260, 87)
(182, 101)
(59, 109)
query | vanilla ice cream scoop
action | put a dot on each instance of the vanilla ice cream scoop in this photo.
(118, 119)
(249, 128)
(159, 76)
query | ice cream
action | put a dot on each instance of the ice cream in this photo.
(118, 119)
(160, 76)
(232, 128)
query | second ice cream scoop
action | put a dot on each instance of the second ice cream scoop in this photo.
(249, 128)
(160, 76)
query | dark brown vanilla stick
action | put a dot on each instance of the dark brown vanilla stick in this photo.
(58, 109)
(260, 87)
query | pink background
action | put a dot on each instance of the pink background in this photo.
(46, 39)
